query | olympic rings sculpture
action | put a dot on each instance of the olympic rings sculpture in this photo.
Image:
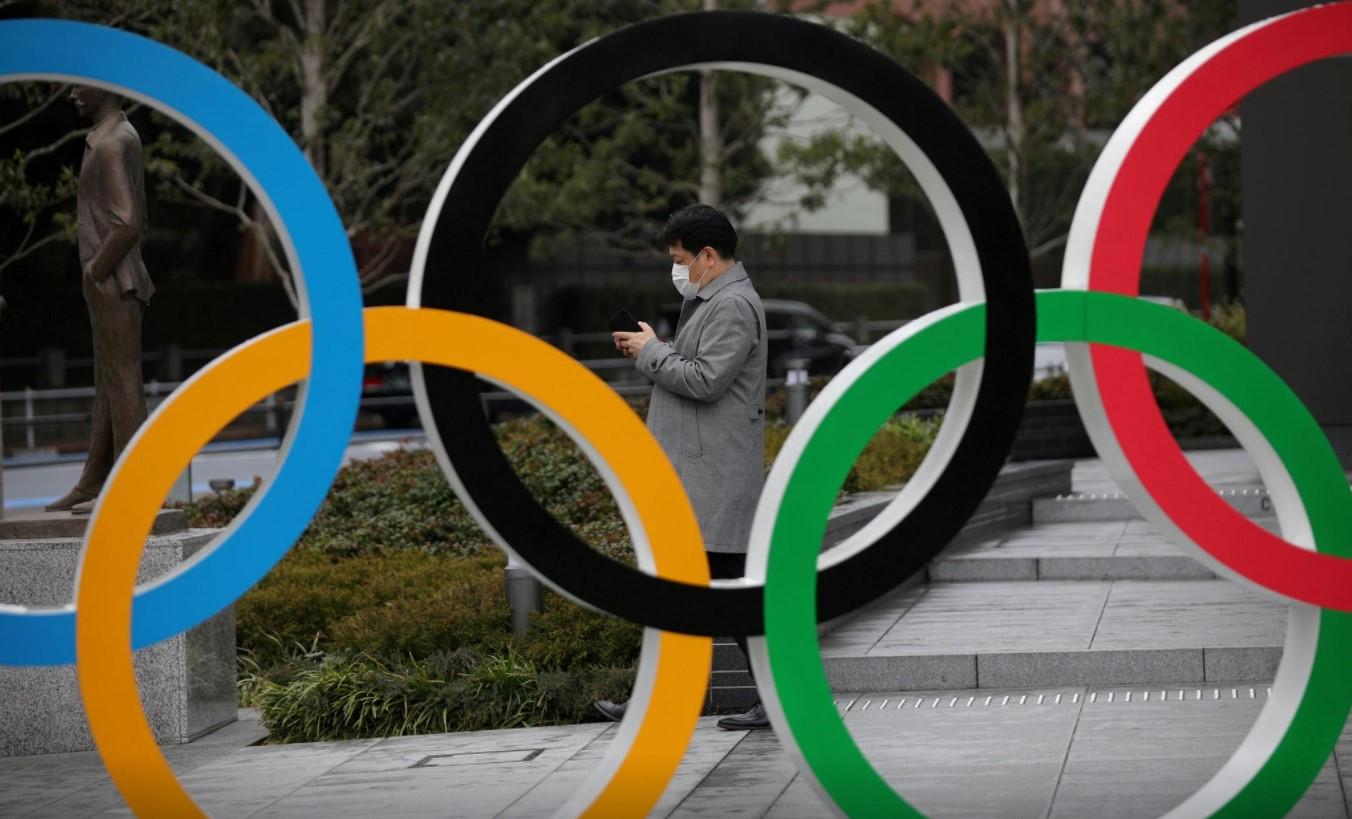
(987, 337)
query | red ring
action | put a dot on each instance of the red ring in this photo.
(1266, 51)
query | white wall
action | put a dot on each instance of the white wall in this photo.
(850, 207)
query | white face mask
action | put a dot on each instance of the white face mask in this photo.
(680, 278)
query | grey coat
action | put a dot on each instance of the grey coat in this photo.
(708, 405)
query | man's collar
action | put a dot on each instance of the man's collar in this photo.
(97, 132)
(735, 273)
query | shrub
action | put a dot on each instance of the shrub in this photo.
(934, 396)
(1184, 414)
(1230, 318)
(405, 604)
(893, 454)
(890, 457)
(216, 510)
(306, 596)
(1052, 388)
(471, 611)
(568, 637)
(353, 696)
(401, 500)
(398, 501)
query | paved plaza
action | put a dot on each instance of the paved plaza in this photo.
(1078, 667)
(1065, 752)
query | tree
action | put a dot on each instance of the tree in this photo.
(1040, 83)
(37, 194)
(622, 164)
(380, 93)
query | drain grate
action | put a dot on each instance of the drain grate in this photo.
(1044, 698)
(478, 758)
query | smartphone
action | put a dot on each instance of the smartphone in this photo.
(622, 322)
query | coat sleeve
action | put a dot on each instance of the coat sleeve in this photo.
(728, 337)
(116, 160)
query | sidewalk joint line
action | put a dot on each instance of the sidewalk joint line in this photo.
(710, 772)
(1065, 760)
(556, 768)
(327, 771)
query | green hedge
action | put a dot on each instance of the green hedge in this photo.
(390, 616)
(401, 501)
(385, 644)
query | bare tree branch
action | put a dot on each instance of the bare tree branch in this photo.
(47, 103)
(26, 249)
(55, 146)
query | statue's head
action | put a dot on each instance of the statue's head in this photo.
(90, 101)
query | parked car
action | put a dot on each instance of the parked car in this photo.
(387, 391)
(795, 330)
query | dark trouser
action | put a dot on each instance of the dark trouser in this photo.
(119, 394)
(729, 566)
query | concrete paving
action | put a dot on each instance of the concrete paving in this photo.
(998, 634)
(1221, 468)
(1095, 550)
(1048, 671)
(1062, 752)
(1091, 602)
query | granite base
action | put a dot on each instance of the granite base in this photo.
(187, 682)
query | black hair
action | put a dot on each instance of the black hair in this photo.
(700, 226)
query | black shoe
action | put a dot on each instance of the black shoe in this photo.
(754, 718)
(613, 711)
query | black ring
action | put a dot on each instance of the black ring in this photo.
(539, 107)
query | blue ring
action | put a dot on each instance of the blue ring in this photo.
(257, 147)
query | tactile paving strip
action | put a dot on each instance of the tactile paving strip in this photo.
(1113, 696)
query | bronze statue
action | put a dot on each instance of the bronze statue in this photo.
(111, 205)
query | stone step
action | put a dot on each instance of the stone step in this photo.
(1005, 507)
(1102, 550)
(1081, 507)
(1056, 633)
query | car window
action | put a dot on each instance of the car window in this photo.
(805, 328)
(778, 326)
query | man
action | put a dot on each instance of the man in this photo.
(708, 401)
(110, 202)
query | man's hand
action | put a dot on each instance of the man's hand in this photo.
(632, 343)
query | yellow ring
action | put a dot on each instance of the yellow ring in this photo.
(666, 706)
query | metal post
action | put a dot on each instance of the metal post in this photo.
(861, 334)
(28, 416)
(2, 446)
(271, 403)
(524, 594)
(182, 488)
(796, 386)
(171, 362)
(53, 366)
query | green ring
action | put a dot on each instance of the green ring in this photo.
(811, 727)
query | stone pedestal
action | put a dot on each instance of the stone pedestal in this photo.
(187, 683)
